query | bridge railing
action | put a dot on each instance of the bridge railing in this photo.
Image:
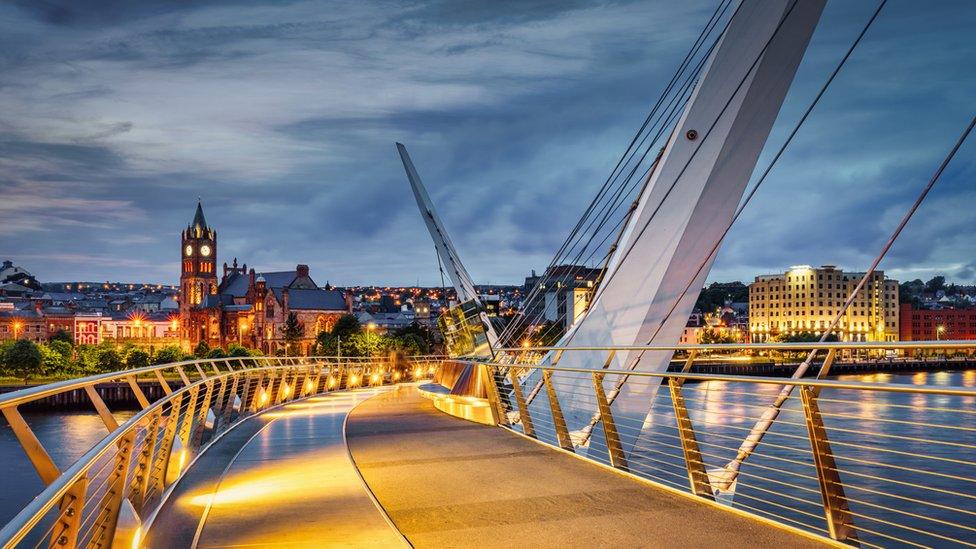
(104, 498)
(863, 462)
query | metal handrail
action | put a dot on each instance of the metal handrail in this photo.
(175, 424)
(792, 346)
(863, 496)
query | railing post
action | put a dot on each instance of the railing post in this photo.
(616, 451)
(137, 391)
(558, 421)
(103, 412)
(117, 484)
(162, 382)
(524, 417)
(144, 465)
(498, 414)
(166, 445)
(694, 465)
(186, 426)
(839, 521)
(36, 453)
(183, 378)
(69, 520)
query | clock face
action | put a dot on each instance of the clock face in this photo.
(188, 250)
(205, 250)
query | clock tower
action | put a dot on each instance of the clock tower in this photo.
(198, 275)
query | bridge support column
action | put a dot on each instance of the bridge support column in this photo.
(558, 421)
(616, 451)
(839, 521)
(697, 475)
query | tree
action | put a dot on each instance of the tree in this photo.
(56, 357)
(216, 352)
(201, 350)
(236, 350)
(62, 335)
(293, 332)
(347, 325)
(23, 359)
(935, 284)
(109, 360)
(168, 354)
(137, 358)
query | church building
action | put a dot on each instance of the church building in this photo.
(245, 306)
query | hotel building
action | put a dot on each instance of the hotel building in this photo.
(805, 299)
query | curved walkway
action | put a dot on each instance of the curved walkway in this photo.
(284, 479)
(446, 482)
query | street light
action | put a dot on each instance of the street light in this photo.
(17, 326)
(938, 332)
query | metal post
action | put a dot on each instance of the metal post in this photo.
(103, 412)
(616, 451)
(494, 401)
(558, 421)
(166, 445)
(137, 391)
(186, 380)
(117, 484)
(694, 464)
(162, 382)
(186, 425)
(72, 505)
(143, 469)
(523, 408)
(839, 521)
(36, 453)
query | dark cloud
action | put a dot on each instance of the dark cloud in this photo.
(115, 116)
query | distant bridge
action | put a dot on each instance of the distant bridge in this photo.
(319, 450)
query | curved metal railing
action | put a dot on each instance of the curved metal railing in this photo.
(862, 462)
(102, 499)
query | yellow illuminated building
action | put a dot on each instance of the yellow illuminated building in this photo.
(805, 299)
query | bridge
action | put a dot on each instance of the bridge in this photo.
(436, 451)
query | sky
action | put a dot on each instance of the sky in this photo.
(282, 117)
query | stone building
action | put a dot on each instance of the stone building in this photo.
(245, 306)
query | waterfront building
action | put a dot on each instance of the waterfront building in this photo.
(245, 306)
(805, 299)
(561, 295)
(151, 330)
(937, 324)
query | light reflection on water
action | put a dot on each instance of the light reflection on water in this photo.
(65, 436)
(890, 448)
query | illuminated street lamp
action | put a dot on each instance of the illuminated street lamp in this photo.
(17, 326)
(939, 330)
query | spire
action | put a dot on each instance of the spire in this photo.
(199, 222)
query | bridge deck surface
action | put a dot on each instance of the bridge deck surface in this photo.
(447, 482)
(282, 479)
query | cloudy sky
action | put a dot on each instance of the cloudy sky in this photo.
(282, 116)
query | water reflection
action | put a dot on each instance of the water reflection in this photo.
(65, 436)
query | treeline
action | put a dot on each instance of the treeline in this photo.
(59, 358)
(348, 337)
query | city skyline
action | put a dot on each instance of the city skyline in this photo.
(115, 120)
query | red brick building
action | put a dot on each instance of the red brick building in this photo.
(246, 306)
(936, 324)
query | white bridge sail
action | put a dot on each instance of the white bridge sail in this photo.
(459, 276)
(687, 204)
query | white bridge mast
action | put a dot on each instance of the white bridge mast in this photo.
(688, 202)
(459, 276)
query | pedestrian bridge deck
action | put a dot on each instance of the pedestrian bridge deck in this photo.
(285, 478)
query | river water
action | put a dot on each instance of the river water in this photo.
(778, 481)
